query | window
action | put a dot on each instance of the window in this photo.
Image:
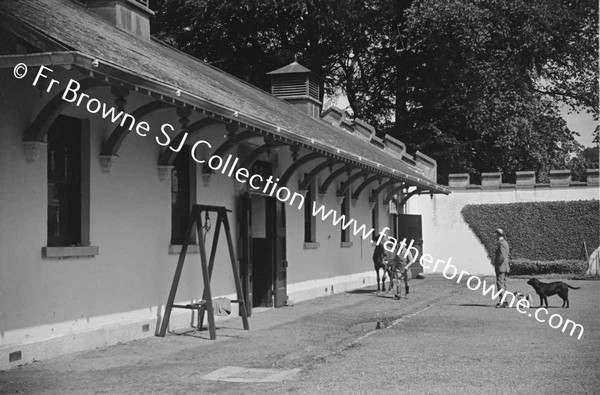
(346, 213)
(265, 170)
(65, 183)
(68, 175)
(375, 220)
(180, 195)
(310, 222)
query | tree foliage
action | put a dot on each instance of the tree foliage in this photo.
(492, 76)
(587, 158)
(474, 83)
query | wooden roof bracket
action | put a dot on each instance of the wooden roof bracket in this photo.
(229, 144)
(394, 191)
(38, 130)
(256, 153)
(364, 184)
(375, 193)
(113, 143)
(405, 198)
(346, 184)
(332, 177)
(310, 176)
(167, 157)
(284, 179)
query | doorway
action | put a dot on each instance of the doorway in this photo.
(410, 227)
(262, 272)
(263, 254)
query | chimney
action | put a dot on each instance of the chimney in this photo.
(132, 16)
(299, 86)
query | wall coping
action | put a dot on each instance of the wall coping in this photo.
(525, 179)
(366, 132)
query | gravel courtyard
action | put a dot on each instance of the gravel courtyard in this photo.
(444, 339)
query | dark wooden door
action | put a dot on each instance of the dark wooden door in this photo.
(246, 248)
(279, 252)
(409, 227)
(262, 273)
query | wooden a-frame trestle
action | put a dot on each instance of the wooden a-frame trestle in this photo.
(206, 303)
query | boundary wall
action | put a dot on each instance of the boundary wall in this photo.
(447, 235)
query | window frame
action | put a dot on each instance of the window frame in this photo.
(345, 211)
(375, 220)
(77, 244)
(310, 221)
(182, 163)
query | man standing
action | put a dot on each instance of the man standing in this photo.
(500, 263)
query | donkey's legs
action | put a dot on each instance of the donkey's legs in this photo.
(392, 280)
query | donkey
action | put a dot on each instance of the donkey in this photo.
(379, 263)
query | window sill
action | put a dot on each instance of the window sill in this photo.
(346, 244)
(311, 246)
(70, 252)
(175, 249)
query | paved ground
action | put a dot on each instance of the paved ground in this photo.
(444, 339)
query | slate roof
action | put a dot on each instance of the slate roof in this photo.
(154, 64)
(291, 68)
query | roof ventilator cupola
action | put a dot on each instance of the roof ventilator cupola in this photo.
(299, 86)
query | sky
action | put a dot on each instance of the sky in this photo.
(584, 124)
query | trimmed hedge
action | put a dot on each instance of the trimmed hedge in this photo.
(538, 231)
(527, 267)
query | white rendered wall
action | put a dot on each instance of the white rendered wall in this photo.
(446, 234)
(53, 306)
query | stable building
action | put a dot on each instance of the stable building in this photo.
(110, 136)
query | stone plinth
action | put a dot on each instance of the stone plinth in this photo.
(592, 177)
(525, 178)
(491, 180)
(458, 180)
(560, 178)
(333, 115)
(363, 128)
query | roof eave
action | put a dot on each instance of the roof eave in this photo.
(112, 73)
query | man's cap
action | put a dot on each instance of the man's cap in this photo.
(499, 232)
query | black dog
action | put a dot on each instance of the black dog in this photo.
(548, 289)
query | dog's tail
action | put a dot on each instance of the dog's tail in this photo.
(572, 287)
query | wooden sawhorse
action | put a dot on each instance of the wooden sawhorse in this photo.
(206, 303)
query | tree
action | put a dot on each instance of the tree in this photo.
(473, 83)
(490, 77)
(587, 158)
(343, 41)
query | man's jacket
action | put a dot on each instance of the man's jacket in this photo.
(501, 257)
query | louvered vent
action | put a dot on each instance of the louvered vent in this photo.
(313, 89)
(289, 86)
(298, 86)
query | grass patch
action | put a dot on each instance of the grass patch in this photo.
(589, 277)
